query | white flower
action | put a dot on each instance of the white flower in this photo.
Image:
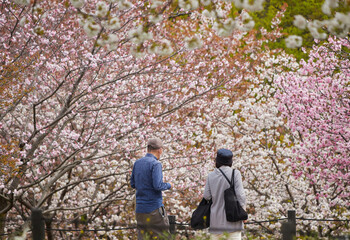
(38, 8)
(314, 27)
(22, 2)
(208, 14)
(81, 21)
(340, 25)
(225, 29)
(294, 41)
(91, 28)
(193, 43)
(326, 9)
(101, 42)
(238, 3)
(206, 2)
(333, 26)
(155, 18)
(101, 9)
(164, 48)
(230, 24)
(77, 3)
(138, 36)
(343, 18)
(124, 5)
(113, 24)
(134, 34)
(156, 4)
(219, 12)
(299, 22)
(256, 6)
(333, 3)
(39, 30)
(189, 4)
(112, 1)
(246, 23)
(220, 30)
(112, 42)
(22, 21)
(328, 4)
(23, 235)
(250, 5)
(136, 52)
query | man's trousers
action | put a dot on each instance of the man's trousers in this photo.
(153, 225)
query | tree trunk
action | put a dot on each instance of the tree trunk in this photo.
(48, 224)
(3, 205)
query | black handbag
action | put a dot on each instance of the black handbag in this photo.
(234, 210)
(201, 216)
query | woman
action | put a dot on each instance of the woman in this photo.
(215, 186)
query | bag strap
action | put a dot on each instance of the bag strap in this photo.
(225, 176)
(232, 182)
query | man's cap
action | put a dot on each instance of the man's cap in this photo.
(155, 143)
(224, 156)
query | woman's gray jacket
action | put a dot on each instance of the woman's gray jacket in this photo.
(215, 186)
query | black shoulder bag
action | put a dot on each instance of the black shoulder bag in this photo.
(201, 216)
(234, 210)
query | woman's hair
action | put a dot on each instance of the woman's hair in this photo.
(218, 165)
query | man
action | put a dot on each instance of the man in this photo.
(147, 178)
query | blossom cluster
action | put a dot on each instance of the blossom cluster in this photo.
(317, 112)
(338, 26)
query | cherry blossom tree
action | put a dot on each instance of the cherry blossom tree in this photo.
(273, 156)
(315, 100)
(92, 105)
